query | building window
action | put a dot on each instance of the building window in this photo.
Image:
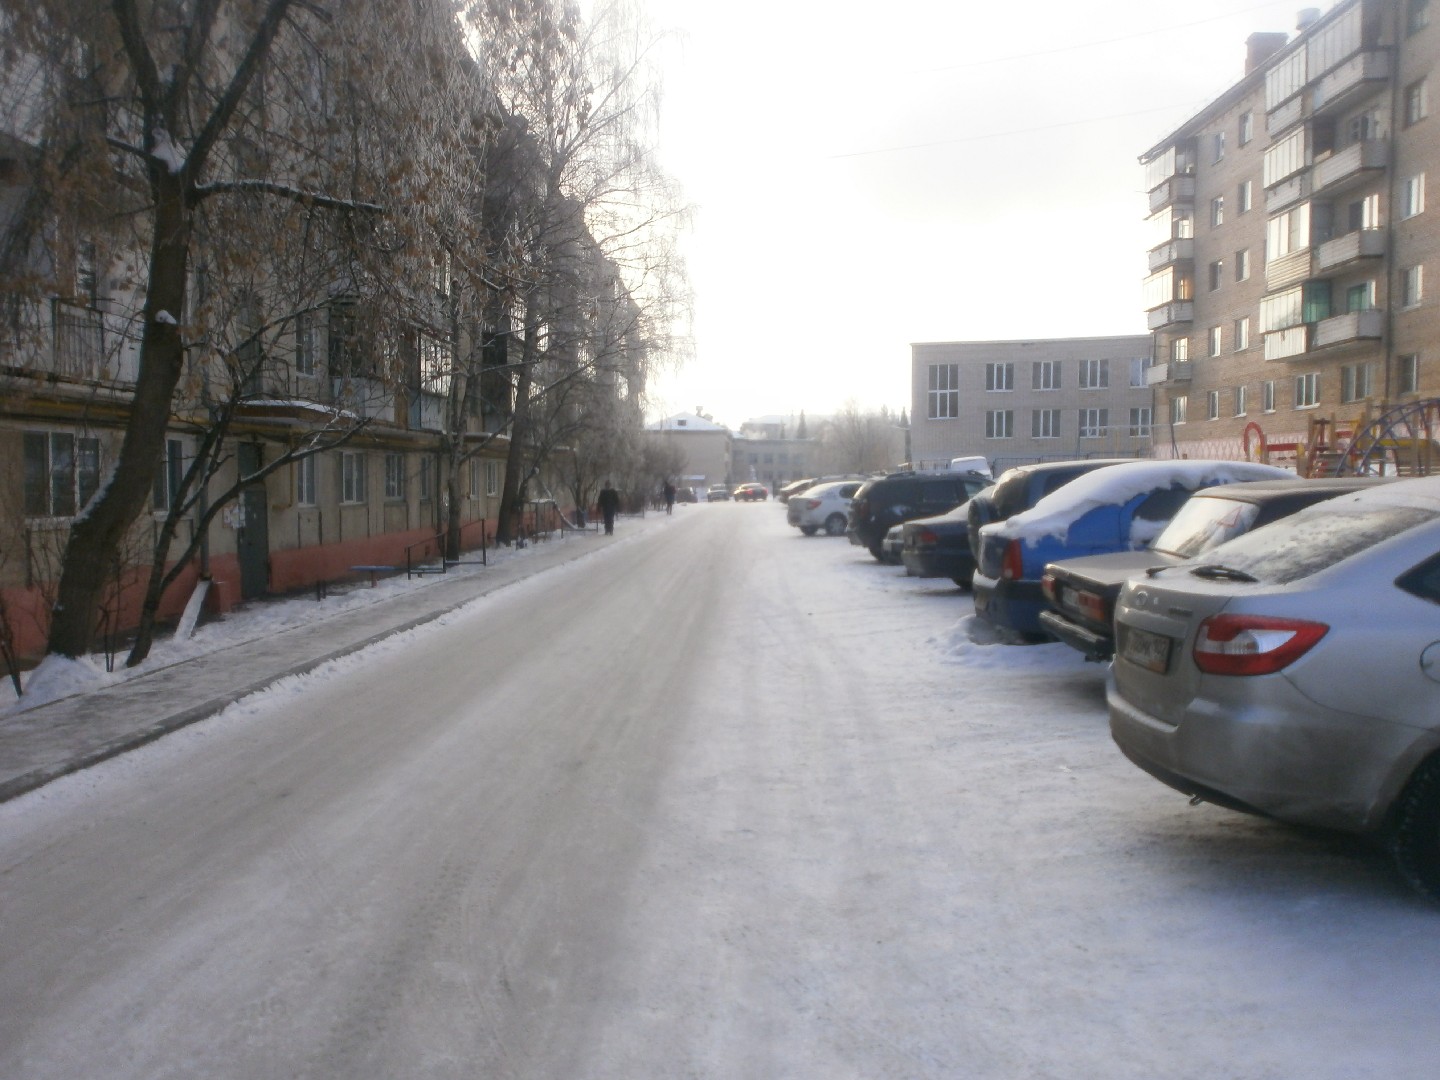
(1242, 334)
(305, 481)
(305, 344)
(1178, 405)
(1045, 424)
(1410, 374)
(1094, 423)
(1242, 265)
(1094, 374)
(1417, 15)
(1307, 390)
(1212, 405)
(1180, 349)
(1000, 424)
(1239, 401)
(1245, 197)
(1045, 375)
(494, 477)
(1412, 286)
(426, 479)
(944, 392)
(1412, 196)
(1217, 274)
(1267, 396)
(1216, 340)
(1356, 382)
(477, 479)
(1217, 211)
(352, 477)
(1217, 146)
(1140, 422)
(999, 377)
(1139, 366)
(1417, 105)
(62, 472)
(1360, 297)
(394, 476)
(166, 487)
(1247, 127)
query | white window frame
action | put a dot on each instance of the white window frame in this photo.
(999, 377)
(999, 424)
(1410, 373)
(1267, 396)
(1212, 404)
(1045, 375)
(1307, 390)
(1242, 334)
(1095, 374)
(1412, 196)
(394, 476)
(305, 491)
(1045, 424)
(68, 483)
(1240, 402)
(1141, 422)
(1179, 406)
(1412, 286)
(943, 395)
(494, 477)
(352, 478)
(1094, 423)
(1216, 337)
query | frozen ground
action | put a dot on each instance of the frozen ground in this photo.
(721, 801)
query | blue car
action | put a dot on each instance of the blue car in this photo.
(1117, 508)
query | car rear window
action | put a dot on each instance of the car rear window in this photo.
(1204, 523)
(1308, 542)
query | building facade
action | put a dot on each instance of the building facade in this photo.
(1290, 236)
(703, 445)
(1016, 402)
(768, 451)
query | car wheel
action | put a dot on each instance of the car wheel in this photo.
(878, 550)
(809, 530)
(835, 525)
(964, 580)
(1415, 840)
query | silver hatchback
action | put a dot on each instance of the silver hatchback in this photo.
(1295, 672)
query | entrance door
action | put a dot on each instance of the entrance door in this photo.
(253, 536)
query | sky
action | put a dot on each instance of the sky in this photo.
(867, 176)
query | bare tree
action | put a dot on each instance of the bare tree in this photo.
(853, 441)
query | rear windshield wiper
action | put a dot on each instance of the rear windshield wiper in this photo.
(1216, 572)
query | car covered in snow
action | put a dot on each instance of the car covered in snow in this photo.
(823, 506)
(1020, 488)
(1116, 508)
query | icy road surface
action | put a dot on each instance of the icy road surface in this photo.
(715, 801)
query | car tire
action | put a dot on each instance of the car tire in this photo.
(809, 530)
(835, 525)
(877, 550)
(1415, 837)
(964, 580)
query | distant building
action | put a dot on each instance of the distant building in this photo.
(772, 460)
(705, 445)
(1015, 402)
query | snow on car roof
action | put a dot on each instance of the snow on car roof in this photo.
(1055, 513)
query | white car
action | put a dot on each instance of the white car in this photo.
(823, 506)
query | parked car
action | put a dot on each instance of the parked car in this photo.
(1081, 593)
(686, 495)
(887, 501)
(1020, 488)
(939, 547)
(1115, 508)
(717, 493)
(795, 487)
(751, 493)
(890, 547)
(824, 506)
(1293, 672)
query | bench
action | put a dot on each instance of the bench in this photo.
(374, 570)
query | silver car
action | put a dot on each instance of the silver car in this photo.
(823, 506)
(1295, 672)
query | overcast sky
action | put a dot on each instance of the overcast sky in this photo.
(870, 175)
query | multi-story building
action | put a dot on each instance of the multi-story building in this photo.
(1290, 237)
(701, 444)
(769, 451)
(1016, 402)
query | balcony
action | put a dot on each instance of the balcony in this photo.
(1286, 270)
(1288, 343)
(1175, 251)
(1176, 371)
(79, 341)
(1285, 116)
(1174, 313)
(1288, 191)
(1348, 329)
(1176, 191)
(1350, 248)
(1349, 82)
(370, 398)
(1353, 165)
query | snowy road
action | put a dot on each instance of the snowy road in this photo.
(718, 801)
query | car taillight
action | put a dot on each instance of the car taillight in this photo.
(1253, 644)
(1012, 567)
(812, 504)
(1047, 586)
(925, 537)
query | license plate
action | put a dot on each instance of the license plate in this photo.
(1144, 649)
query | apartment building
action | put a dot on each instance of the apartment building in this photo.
(1290, 236)
(1016, 402)
(704, 446)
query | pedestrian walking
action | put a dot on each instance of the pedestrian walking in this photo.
(609, 501)
(669, 497)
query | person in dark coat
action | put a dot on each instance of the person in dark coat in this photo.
(669, 497)
(609, 501)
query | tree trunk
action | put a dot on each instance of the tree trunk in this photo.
(512, 493)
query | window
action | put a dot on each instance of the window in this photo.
(1356, 382)
(437, 364)
(1242, 265)
(1045, 375)
(1180, 349)
(305, 344)
(1288, 232)
(1412, 286)
(168, 476)
(352, 477)
(1417, 15)
(305, 481)
(1217, 211)
(1242, 334)
(1247, 127)
(1138, 367)
(1307, 390)
(1364, 126)
(1140, 422)
(1094, 423)
(1410, 373)
(1416, 103)
(62, 472)
(999, 377)
(1216, 341)
(1217, 274)
(1178, 405)
(1284, 159)
(1267, 395)
(1360, 297)
(1412, 196)
(494, 477)
(394, 476)
(943, 399)
(1245, 197)
(427, 480)
(1094, 374)
(1239, 401)
(999, 424)
(477, 479)
(1045, 424)
(1364, 213)
(1217, 146)
(1212, 405)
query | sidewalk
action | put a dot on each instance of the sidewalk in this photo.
(65, 736)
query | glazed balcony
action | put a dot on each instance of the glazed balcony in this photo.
(1348, 329)
(1287, 344)
(1167, 374)
(1175, 251)
(1350, 82)
(1176, 191)
(1354, 165)
(1289, 191)
(1285, 116)
(1175, 313)
(1286, 270)
(1348, 249)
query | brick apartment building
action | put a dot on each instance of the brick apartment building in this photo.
(1290, 237)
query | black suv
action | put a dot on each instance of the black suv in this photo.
(888, 501)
